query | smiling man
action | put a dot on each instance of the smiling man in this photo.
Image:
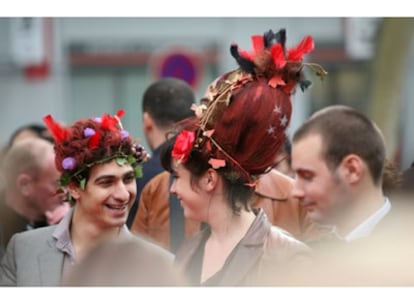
(98, 163)
(338, 156)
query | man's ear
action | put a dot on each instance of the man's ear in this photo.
(148, 122)
(24, 183)
(74, 190)
(352, 168)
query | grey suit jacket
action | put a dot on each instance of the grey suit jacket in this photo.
(32, 259)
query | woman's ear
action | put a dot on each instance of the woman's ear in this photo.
(210, 179)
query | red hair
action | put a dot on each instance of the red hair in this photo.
(76, 145)
(243, 123)
(245, 129)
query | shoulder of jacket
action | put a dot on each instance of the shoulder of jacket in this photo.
(274, 185)
(280, 238)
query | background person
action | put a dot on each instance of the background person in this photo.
(29, 192)
(164, 102)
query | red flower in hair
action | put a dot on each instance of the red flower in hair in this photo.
(183, 145)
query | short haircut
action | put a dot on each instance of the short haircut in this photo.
(38, 130)
(168, 100)
(346, 131)
(27, 155)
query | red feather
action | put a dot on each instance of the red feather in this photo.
(109, 122)
(246, 54)
(278, 56)
(120, 113)
(58, 132)
(257, 43)
(304, 47)
(95, 140)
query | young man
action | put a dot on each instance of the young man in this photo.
(338, 156)
(98, 163)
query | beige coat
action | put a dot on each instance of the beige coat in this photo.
(263, 257)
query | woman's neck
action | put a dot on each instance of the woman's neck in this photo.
(231, 226)
(225, 235)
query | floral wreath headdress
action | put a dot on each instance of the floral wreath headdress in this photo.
(269, 59)
(74, 166)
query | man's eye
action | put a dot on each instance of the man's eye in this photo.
(129, 178)
(305, 175)
(106, 182)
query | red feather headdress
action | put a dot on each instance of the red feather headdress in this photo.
(58, 132)
(268, 59)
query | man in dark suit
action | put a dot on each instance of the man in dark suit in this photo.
(164, 103)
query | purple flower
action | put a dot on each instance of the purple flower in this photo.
(68, 163)
(124, 134)
(88, 132)
(97, 119)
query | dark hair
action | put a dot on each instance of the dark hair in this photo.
(346, 131)
(39, 130)
(168, 100)
(237, 191)
(407, 183)
(392, 177)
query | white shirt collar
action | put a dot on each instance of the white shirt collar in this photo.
(367, 226)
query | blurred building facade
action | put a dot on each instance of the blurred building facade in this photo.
(78, 67)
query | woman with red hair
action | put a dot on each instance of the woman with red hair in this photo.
(218, 157)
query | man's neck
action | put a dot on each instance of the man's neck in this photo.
(23, 208)
(362, 211)
(85, 234)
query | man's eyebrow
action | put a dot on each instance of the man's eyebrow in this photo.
(305, 171)
(113, 175)
(104, 177)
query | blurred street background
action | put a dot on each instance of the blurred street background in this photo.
(73, 67)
